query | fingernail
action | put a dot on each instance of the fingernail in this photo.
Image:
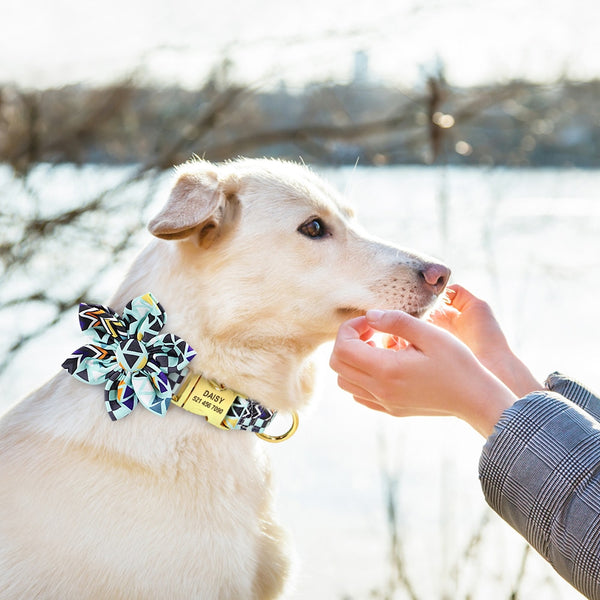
(374, 314)
(446, 297)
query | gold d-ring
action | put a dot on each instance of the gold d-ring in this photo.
(275, 439)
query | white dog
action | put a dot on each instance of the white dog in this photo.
(257, 262)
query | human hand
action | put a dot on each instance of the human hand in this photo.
(472, 321)
(433, 373)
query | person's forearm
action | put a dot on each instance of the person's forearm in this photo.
(513, 373)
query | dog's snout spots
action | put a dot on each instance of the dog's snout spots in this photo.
(435, 276)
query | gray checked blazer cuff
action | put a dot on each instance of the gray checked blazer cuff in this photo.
(540, 471)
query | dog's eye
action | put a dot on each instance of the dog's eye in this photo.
(313, 228)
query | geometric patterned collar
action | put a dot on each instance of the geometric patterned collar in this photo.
(137, 364)
(227, 409)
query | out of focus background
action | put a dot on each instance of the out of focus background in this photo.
(467, 129)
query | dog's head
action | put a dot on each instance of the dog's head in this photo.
(269, 248)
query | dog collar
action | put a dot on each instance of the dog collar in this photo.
(137, 364)
(227, 409)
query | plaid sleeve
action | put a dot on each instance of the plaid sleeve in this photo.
(540, 471)
(576, 392)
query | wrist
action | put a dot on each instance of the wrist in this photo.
(488, 400)
(519, 378)
(513, 373)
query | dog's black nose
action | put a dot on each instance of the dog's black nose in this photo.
(435, 277)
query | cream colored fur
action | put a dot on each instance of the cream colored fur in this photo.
(175, 508)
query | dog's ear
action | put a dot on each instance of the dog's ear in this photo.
(196, 205)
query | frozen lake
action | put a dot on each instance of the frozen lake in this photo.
(526, 240)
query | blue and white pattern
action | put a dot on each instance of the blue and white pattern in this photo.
(249, 415)
(130, 356)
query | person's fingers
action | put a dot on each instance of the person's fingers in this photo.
(443, 316)
(416, 411)
(351, 335)
(352, 353)
(417, 332)
(460, 297)
(396, 408)
(353, 359)
(355, 329)
(401, 411)
(393, 342)
(371, 405)
(449, 294)
(355, 389)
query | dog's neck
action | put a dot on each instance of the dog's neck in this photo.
(274, 370)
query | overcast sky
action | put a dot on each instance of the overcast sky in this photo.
(65, 41)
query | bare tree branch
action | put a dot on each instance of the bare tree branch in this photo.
(220, 121)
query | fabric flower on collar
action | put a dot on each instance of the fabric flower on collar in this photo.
(129, 356)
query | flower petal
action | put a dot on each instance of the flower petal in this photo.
(90, 364)
(119, 399)
(153, 391)
(101, 323)
(170, 353)
(145, 317)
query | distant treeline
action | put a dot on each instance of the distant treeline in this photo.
(516, 123)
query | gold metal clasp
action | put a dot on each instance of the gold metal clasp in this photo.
(275, 439)
(213, 400)
(206, 398)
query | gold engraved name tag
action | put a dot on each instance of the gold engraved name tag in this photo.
(206, 398)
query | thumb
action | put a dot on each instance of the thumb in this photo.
(402, 324)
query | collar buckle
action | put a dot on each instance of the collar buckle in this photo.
(228, 409)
